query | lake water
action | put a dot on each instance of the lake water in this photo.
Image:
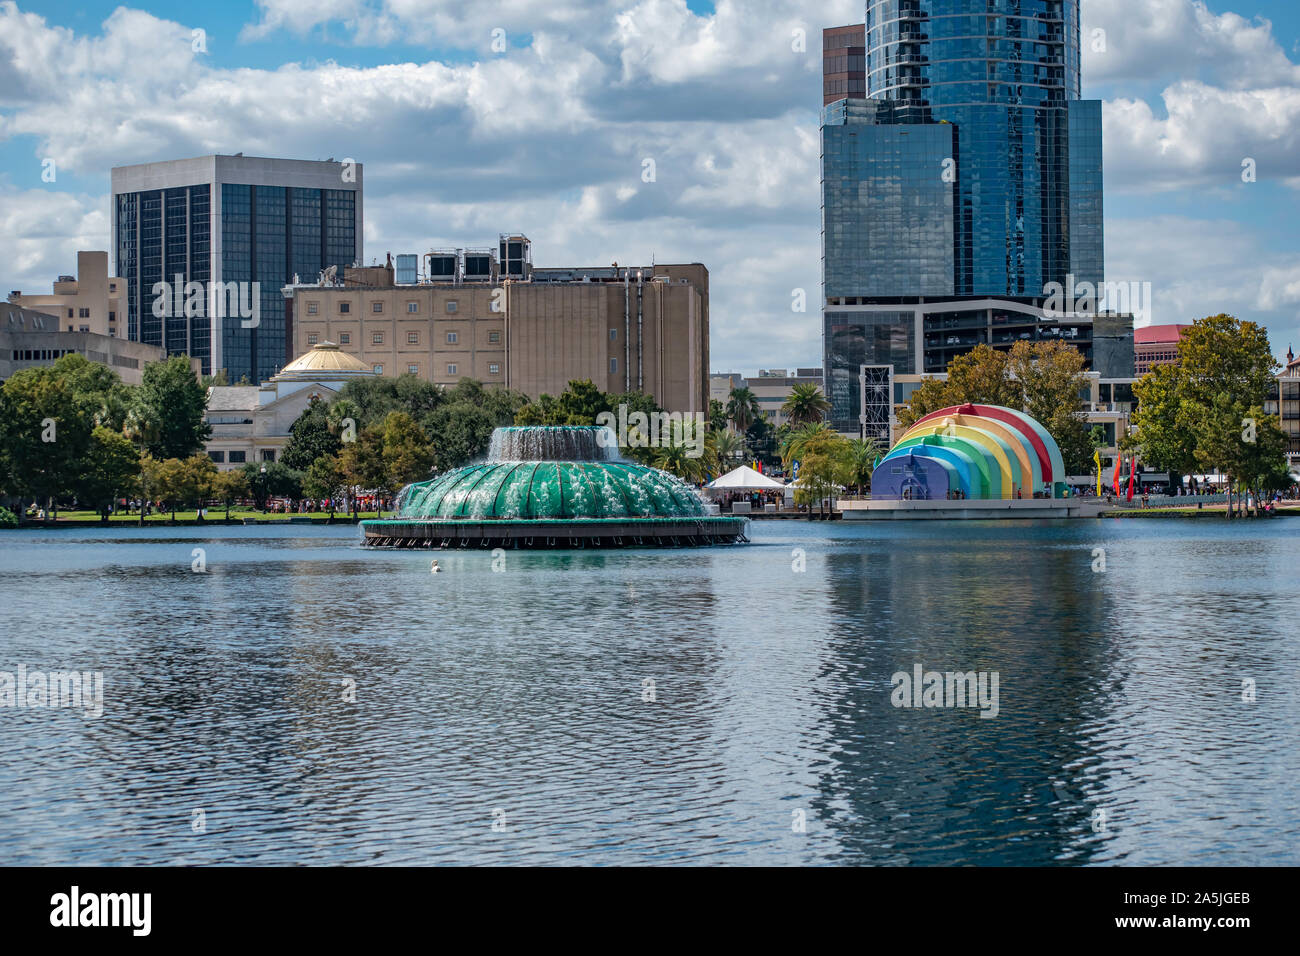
(506, 716)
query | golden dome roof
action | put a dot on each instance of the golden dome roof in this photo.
(325, 357)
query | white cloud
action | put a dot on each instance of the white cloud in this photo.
(549, 137)
(1203, 140)
(1161, 40)
(1200, 267)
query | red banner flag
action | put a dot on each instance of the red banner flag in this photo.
(1132, 470)
(1119, 460)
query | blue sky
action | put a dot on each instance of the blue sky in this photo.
(549, 136)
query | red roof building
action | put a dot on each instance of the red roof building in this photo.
(1155, 345)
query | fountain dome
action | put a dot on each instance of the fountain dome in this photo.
(552, 486)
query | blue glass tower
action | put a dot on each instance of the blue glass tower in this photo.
(970, 170)
(231, 220)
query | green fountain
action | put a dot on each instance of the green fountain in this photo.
(552, 487)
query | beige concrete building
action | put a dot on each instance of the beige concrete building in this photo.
(625, 329)
(250, 423)
(90, 301)
(773, 386)
(29, 338)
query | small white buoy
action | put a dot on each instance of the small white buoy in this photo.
(433, 568)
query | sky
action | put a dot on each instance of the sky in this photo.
(477, 118)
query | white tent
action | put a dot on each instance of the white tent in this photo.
(744, 478)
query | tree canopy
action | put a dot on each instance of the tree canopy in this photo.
(1207, 411)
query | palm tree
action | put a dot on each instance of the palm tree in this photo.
(728, 446)
(805, 405)
(860, 460)
(799, 439)
(743, 409)
(685, 459)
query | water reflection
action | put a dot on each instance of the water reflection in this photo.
(325, 704)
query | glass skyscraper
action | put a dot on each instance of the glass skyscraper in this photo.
(230, 219)
(967, 170)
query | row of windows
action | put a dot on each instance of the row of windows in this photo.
(412, 308)
(494, 368)
(239, 457)
(412, 338)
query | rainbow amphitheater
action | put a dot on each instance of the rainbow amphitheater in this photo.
(971, 461)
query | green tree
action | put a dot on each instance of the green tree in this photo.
(581, 402)
(325, 479)
(717, 414)
(171, 483)
(859, 461)
(823, 456)
(153, 481)
(228, 487)
(362, 463)
(109, 471)
(45, 433)
(799, 440)
(743, 409)
(99, 391)
(1211, 403)
(173, 403)
(730, 448)
(406, 452)
(199, 477)
(311, 436)
(688, 452)
(1167, 437)
(371, 399)
(805, 404)
(458, 433)
(1052, 378)
(272, 479)
(981, 376)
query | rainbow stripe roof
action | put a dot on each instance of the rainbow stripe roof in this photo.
(979, 451)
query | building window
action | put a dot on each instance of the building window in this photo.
(69, 316)
(451, 338)
(112, 287)
(311, 338)
(345, 307)
(413, 369)
(412, 308)
(613, 366)
(237, 457)
(379, 370)
(451, 305)
(613, 335)
(376, 307)
(494, 338)
(268, 454)
(494, 369)
(112, 317)
(412, 338)
(345, 338)
(218, 457)
(83, 328)
(376, 338)
(313, 308)
(83, 313)
(451, 369)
